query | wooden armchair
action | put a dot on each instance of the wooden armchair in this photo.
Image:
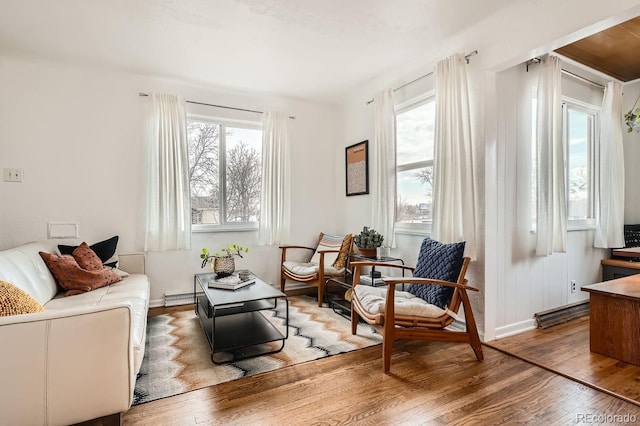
(328, 260)
(430, 303)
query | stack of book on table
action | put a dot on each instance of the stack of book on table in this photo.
(232, 282)
(368, 280)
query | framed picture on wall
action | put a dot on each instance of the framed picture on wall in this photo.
(357, 168)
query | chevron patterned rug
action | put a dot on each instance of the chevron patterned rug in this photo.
(177, 357)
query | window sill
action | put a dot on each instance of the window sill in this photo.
(581, 225)
(577, 225)
(419, 229)
(245, 227)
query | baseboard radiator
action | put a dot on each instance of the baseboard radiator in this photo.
(562, 314)
(179, 298)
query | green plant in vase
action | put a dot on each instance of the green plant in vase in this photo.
(368, 240)
(223, 262)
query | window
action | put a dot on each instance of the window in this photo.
(581, 138)
(225, 173)
(415, 124)
(580, 123)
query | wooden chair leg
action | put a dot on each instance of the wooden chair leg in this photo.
(282, 282)
(387, 350)
(354, 319)
(320, 293)
(387, 344)
(472, 328)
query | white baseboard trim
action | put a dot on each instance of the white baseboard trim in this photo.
(157, 303)
(516, 328)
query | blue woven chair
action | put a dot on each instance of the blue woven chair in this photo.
(437, 289)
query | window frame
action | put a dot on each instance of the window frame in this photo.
(569, 103)
(222, 178)
(419, 229)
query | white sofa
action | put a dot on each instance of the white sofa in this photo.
(79, 359)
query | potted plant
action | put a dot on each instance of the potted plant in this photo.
(223, 264)
(632, 118)
(368, 240)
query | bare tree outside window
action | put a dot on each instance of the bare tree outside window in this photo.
(204, 141)
(244, 178)
(224, 172)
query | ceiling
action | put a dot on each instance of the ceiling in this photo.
(614, 51)
(300, 48)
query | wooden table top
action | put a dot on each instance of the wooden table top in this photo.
(625, 287)
(627, 252)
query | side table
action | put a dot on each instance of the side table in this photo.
(342, 306)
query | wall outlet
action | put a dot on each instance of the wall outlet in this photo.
(573, 286)
(12, 175)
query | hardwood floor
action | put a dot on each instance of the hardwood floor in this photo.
(431, 383)
(565, 350)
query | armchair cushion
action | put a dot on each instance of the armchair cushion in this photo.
(441, 262)
(373, 301)
(308, 269)
(332, 242)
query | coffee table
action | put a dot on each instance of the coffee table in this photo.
(232, 322)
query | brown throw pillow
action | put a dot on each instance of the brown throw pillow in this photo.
(87, 258)
(15, 301)
(73, 278)
(341, 261)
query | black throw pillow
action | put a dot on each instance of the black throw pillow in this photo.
(106, 251)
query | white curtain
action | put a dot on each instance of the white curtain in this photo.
(275, 199)
(384, 176)
(610, 214)
(168, 209)
(454, 186)
(551, 216)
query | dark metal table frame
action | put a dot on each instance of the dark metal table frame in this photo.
(231, 319)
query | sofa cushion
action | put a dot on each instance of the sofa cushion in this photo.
(133, 289)
(73, 278)
(106, 250)
(23, 267)
(14, 301)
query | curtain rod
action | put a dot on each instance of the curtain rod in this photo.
(537, 60)
(221, 106)
(579, 77)
(466, 57)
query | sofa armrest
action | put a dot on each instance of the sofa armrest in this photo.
(66, 366)
(133, 263)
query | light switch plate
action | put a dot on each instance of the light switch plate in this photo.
(62, 230)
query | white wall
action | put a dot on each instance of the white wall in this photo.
(530, 284)
(78, 134)
(510, 289)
